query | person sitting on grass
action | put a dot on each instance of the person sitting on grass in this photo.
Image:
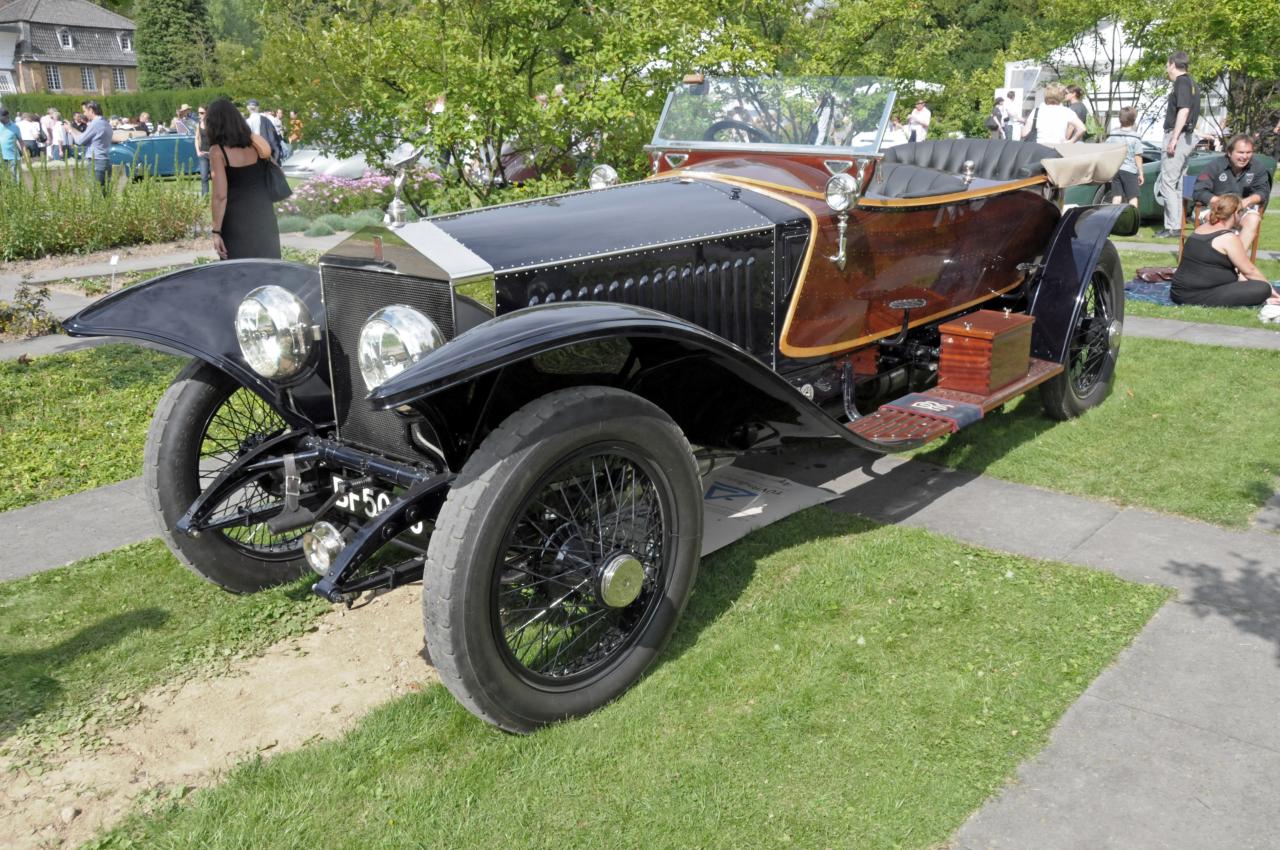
(1215, 269)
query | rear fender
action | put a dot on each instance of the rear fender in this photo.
(193, 310)
(1074, 252)
(716, 392)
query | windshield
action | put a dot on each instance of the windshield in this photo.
(848, 113)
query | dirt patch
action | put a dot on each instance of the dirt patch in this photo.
(128, 252)
(316, 686)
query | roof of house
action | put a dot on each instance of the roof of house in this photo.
(72, 13)
(91, 46)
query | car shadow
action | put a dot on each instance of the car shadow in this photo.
(31, 683)
(1248, 595)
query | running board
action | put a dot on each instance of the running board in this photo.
(920, 418)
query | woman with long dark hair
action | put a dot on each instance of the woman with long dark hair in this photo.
(244, 221)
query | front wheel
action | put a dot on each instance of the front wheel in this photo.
(563, 557)
(203, 422)
(1094, 346)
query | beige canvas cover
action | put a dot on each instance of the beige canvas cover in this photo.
(1083, 162)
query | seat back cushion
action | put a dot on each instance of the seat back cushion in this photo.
(993, 159)
(899, 180)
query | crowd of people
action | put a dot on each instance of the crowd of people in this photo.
(26, 137)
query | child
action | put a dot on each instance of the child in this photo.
(1124, 186)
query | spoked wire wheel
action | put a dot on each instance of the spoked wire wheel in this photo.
(563, 557)
(242, 422)
(1093, 346)
(583, 566)
(203, 423)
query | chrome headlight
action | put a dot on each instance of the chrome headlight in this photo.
(842, 190)
(602, 177)
(394, 338)
(274, 329)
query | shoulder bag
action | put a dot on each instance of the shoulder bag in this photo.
(278, 187)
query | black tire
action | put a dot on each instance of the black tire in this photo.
(501, 555)
(202, 422)
(1094, 344)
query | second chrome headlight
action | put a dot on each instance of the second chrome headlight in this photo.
(274, 330)
(394, 338)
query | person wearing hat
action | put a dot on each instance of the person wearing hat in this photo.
(10, 143)
(183, 122)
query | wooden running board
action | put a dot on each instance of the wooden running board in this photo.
(899, 430)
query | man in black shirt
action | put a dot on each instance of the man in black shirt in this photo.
(1236, 173)
(1181, 115)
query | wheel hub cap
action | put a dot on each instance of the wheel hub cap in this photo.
(621, 579)
(1114, 330)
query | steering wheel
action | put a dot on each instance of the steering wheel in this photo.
(755, 133)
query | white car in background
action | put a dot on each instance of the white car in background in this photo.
(310, 162)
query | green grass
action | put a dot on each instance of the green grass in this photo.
(834, 684)
(69, 422)
(1185, 431)
(77, 644)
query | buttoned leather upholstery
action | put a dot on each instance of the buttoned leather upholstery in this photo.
(993, 159)
(899, 180)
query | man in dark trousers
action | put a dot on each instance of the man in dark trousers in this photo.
(1181, 114)
(1236, 173)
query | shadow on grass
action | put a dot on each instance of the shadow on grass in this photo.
(31, 683)
(1248, 596)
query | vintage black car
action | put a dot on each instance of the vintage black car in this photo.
(521, 400)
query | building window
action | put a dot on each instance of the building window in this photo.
(126, 42)
(6, 83)
(53, 78)
(88, 81)
(64, 38)
(122, 84)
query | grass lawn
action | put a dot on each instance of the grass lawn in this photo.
(1183, 432)
(69, 422)
(1268, 238)
(1245, 317)
(834, 683)
(78, 643)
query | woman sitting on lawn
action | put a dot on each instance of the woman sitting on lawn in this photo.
(1215, 270)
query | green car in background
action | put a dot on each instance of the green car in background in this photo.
(161, 155)
(1148, 209)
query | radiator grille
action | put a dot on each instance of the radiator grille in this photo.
(715, 295)
(350, 297)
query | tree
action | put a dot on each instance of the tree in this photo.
(174, 43)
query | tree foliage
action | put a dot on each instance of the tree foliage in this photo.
(174, 43)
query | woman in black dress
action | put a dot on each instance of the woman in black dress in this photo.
(244, 221)
(1215, 269)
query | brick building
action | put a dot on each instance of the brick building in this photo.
(65, 46)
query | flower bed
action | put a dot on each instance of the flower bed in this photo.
(324, 194)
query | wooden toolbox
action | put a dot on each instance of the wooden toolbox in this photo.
(984, 351)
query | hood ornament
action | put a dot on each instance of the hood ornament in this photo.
(402, 159)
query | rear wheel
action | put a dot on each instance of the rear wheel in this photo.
(563, 557)
(204, 421)
(1094, 344)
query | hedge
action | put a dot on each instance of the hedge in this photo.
(162, 104)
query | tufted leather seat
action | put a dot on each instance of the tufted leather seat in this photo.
(899, 180)
(993, 159)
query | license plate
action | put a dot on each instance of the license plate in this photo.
(368, 502)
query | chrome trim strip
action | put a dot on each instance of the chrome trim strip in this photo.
(649, 246)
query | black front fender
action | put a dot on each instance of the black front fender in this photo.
(707, 384)
(193, 310)
(1074, 252)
